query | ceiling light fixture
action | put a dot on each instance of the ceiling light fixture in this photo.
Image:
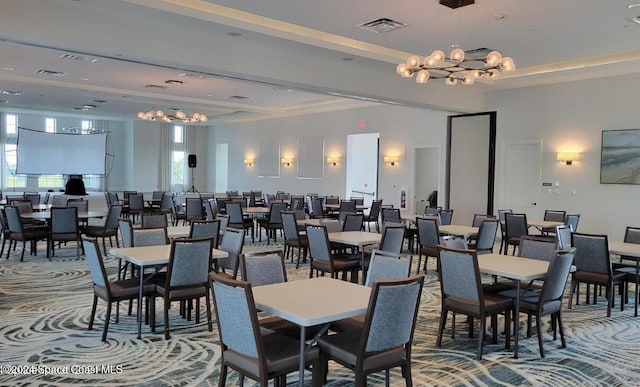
(455, 67)
(179, 115)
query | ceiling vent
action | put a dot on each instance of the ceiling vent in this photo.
(98, 101)
(478, 53)
(381, 25)
(453, 4)
(193, 75)
(237, 97)
(11, 92)
(156, 87)
(79, 58)
(50, 73)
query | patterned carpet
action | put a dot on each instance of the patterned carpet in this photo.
(45, 307)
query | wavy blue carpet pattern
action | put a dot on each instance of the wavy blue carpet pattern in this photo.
(45, 307)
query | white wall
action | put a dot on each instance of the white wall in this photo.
(572, 116)
(401, 130)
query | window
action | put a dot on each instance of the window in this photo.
(12, 124)
(177, 168)
(12, 180)
(50, 181)
(50, 125)
(178, 134)
(85, 125)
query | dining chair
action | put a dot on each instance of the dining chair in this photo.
(374, 215)
(428, 241)
(548, 300)
(432, 211)
(316, 208)
(631, 235)
(294, 238)
(193, 210)
(446, 216)
(64, 228)
(18, 231)
(186, 278)
(112, 291)
(503, 230)
(153, 220)
(205, 229)
(254, 353)
(462, 293)
(479, 218)
(232, 242)
(392, 238)
(4, 226)
(178, 212)
(563, 237)
(553, 216)
(136, 206)
(238, 220)
(59, 201)
(572, 221)
(516, 228)
(593, 267)
(82, 206)
(393, 303)
(33, 198)
(107, 230)
(211, 209)
(486, 238)
(323, 261)
(272, 223)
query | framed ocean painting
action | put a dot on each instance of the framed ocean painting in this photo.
(620, 158)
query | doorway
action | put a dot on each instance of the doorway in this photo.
(427, 176)
(521, 178)
(362, 177)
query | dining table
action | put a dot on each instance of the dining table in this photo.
(458, 230)
(515, 268)
(310, 302)
(630, 251)
(150, 256)
(358, 239)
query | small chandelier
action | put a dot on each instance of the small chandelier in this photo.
(455, 67)
(179, 115)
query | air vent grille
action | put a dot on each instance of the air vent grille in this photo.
(382, 25)
(50, 73)
(237, 97)
(157, 87)
(11, 92)
(79, 58)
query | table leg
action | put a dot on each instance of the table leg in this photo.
(303, 345)
(516, 322)
(364, 269)
(140, 302)
(635, 308)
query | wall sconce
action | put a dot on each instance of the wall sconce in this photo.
(568, 157)
(333, 160)
(391, 160)
(287, 161)
(249, 162)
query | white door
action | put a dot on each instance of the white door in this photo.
(362, 166)
(521, 183)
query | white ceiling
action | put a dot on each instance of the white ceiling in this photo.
(287, 57)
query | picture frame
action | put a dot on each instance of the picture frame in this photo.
(620, 157)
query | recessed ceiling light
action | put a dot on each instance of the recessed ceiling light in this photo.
(635, 5)
(636, 19)
(499, 16)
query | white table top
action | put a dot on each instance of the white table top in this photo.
(509, 266)
(310, 222)
(355, 238)
(152, 255)
(313, 301)
(255, 210)
(458, 230)
(359, 207)
(542, 223)
(622, 248)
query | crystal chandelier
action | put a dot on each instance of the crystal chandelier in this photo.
(179, 115)
(455, 67)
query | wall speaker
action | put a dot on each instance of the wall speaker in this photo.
(193, 161)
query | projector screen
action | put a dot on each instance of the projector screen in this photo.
(61, 154)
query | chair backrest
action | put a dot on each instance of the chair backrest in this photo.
(33, 198)
(353, 222)
(393, 303)
(263, 267)
(632, 235)
(211, 209)
(150, 237)
(385, 265)
(232, 242)
(319, 247)
(563, 237)
(374, 212)
(234, 210)
(592, 253)
(13, 219)
(391, 214)
(236, 316)
(516, 225)
(166, 203)
(432, 211)
(113, 198)
(136, 202)
(503, 212)
(555, 215)
(446, 216)
(317, 207)
(557, 274)
(224, 221)
(96, 264)
(392, 238)
(479, 218)
(193, 208)
(536, 247)
(487, 235)
(289, 225)
(64, 220)
(157, 195)
(347, 206)
(297, 202)
(23, 207)
(572, 221)
(111, 223)
(205, 229)
(126, 194)
(81, 205)
(189, 262)
(460, 275)
(332, 225)
(332, 200)
(275, 210)
(359, 200)
(455, 243)
(154, 220)
(59, 200)
(126, 232)
(428, 232)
